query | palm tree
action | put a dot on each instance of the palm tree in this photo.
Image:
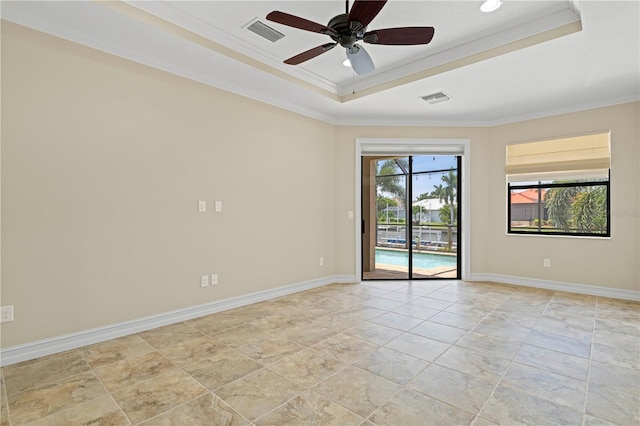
(450, 192)
(581, 207)
(558, 202)
(388, 180)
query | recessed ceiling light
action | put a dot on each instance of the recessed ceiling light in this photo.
(490, 5)
(346, 63)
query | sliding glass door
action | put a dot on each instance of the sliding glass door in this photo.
(410, 208)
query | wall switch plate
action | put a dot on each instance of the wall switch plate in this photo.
(218, 206)
(214, 279)
(6, 313)
(350, 214)
(202, 206)
(204, 281)
(547, 263)
(322, 261)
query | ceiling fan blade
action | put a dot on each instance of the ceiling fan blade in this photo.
(360, 60)
(310, 54)
(364, 11)
(298, 22)
(400, 36)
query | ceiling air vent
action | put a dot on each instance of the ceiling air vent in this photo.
(436, 98)
(263, 30)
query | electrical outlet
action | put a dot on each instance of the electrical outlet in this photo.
(547, 263)
(202, 206)
(204, 281)
(6, 313)
(214, 279)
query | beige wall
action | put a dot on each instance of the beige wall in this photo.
(345, 190)
(104, 160)
(592, 261)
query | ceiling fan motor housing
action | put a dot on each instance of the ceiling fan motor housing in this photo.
(347, 33)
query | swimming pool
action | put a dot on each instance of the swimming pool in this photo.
(420, 260)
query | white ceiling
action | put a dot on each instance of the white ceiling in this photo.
(528, 59)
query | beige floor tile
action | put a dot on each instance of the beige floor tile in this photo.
(269, 350)
(310, 408)
(100, 411)
(551, 386)
(307, 367)
(115, 350)
(308, 334)
(620, 379)
(441, 332)
(511, 319)
(50, 398)
(240, 335)
(502, 331)
(345, 348)
(575, 329)
(374, 333)
(358, 390)
(626, 356)
(205, 410)
(588, 420)
(50, 369)
(397, 321)
(222, 368)
(631, 327)
(429, 302)
(418, 346)
(559, 343)
(556, 362)
(536, 348)
(489, 345)
(258, 393)
(216, 323)
(381, 303)
(458, 389)
(617, 407)
(4, 405)
(119, 375)
(482, 366)
(511, 407)
(167, 335)
(146, 399)
(409, 408)
(190, 351)
(455, 320)
(392, 365)
(416, 311)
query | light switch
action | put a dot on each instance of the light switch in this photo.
(202, 206)
(350, 214)
(218, 206)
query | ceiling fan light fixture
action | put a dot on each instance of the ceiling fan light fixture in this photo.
(490, 6)
(359, 59)
(346, 63)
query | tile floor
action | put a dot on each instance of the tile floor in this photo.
(386, 353)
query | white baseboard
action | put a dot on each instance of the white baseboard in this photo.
(558, 286)
(67, 342)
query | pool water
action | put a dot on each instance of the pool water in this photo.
(420, 260)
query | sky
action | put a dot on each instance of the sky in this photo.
(423, 163)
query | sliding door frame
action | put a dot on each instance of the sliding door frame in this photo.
(411, 147)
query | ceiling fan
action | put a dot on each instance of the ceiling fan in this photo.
(349, 28)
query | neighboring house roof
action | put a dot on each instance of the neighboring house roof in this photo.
(529, 196)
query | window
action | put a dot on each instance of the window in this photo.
(559, 187)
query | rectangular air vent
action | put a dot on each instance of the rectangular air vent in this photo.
(436, 98)
(263, 30)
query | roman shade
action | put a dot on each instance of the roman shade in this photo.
(577, 157)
